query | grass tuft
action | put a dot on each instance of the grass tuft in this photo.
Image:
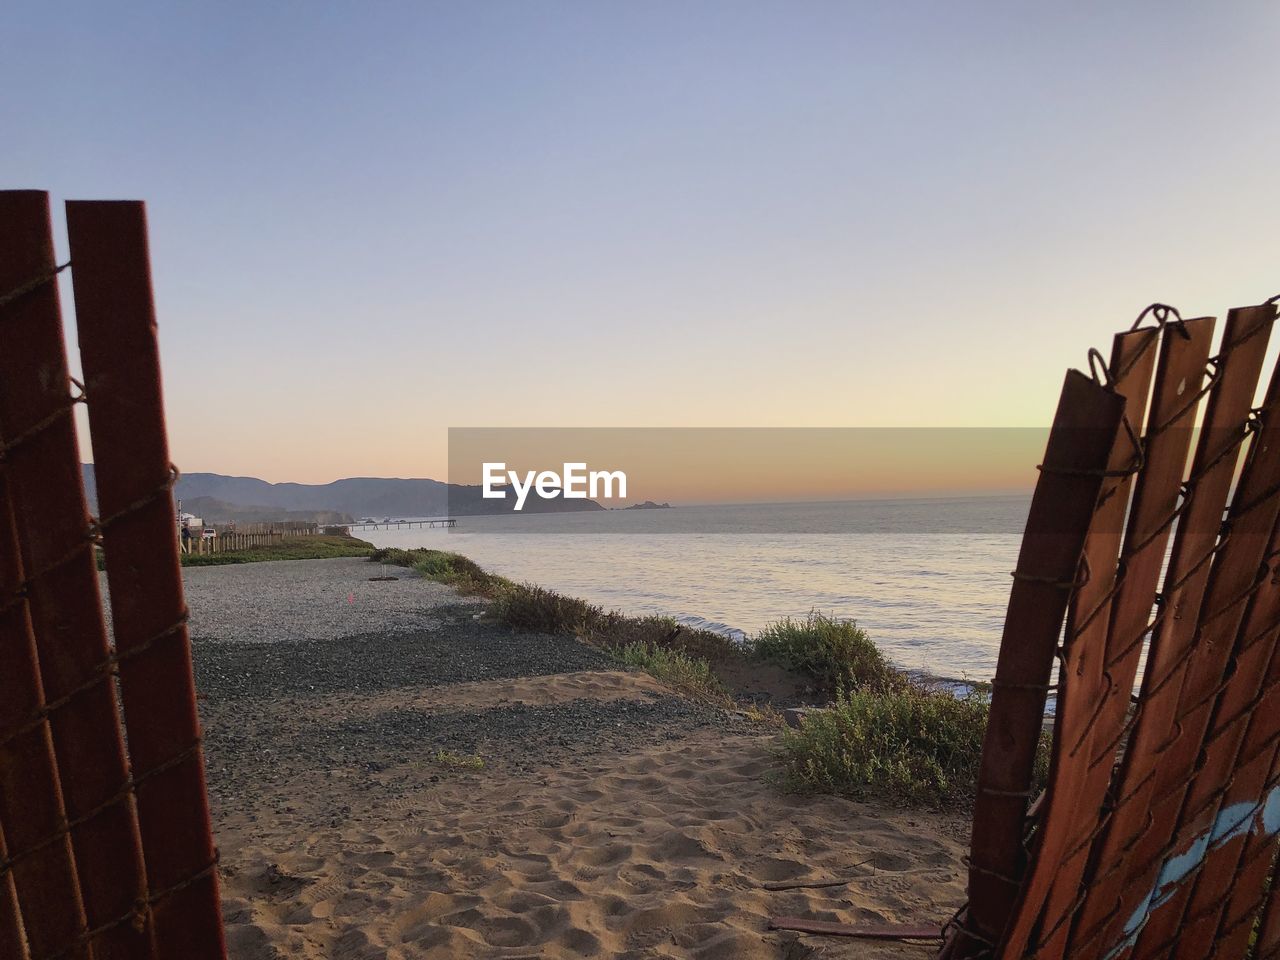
(836, 654)
(679, 670)
(444, 567)
(913, 745)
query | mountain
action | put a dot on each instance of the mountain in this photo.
(354, 496)
(214, 510)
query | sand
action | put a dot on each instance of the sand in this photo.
(610, 819)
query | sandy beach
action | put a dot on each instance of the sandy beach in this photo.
(392, 776)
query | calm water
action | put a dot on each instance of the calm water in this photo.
(928, 579)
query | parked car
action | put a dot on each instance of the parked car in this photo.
(208, 533)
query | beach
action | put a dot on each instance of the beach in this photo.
(393, 776)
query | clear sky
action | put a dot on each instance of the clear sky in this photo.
(372, 221)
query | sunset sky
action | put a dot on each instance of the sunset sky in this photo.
(371, 222)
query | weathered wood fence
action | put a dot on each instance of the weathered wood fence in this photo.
(105, 843)
(1156, 834)
(292, 528)
(227, 542)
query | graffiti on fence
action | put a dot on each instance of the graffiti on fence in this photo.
(1262, 817)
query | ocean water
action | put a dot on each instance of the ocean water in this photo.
(928, 579)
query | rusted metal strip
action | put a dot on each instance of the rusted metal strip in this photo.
(829, 929)
(115, 316)
(1184, 351)
(1082, 677)
(1084, 433)
(31, 812)
(1234, 573)
(1127, 855)
(43, 467)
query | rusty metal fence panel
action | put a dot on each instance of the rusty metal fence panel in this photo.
(109, 851)
(1156, 834)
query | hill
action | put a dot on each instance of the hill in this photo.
(243, 498)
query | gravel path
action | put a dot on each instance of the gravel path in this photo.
(456, 649)
(308, 600)
(299, 665)
(269, 756)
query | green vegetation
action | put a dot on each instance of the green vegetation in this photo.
(836, 654)
(299, 548)
(884, 734)
(459, 761)
(676, 655)
(444, 567)
(524, 606)
(914, 745)
(688, 674)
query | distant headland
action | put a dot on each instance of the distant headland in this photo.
(220, 498)
(648, 505)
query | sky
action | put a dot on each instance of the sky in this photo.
(371, 222)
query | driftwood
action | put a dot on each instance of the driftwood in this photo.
(882, 932)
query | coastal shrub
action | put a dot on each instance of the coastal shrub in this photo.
(444, 567)
(836, 654)
(673, 668)
(909, 744)
(395, 556)
(459, 571)
(525, 606)
(912, 743)
(617, 630)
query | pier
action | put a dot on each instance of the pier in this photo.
(424, 524)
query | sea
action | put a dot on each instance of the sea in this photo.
(928, 579)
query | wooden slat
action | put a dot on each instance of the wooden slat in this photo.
(31, 810)
(1179, 376)
(13, 945)
(1084, 434)
(1267, 946)
(1242, 892)
(116, 320)
(47, 490)
(1127, 854)
(1243, 634)
(1082, 678)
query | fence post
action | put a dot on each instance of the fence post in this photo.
(116, 319)
(42, 885)
(45, 483)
